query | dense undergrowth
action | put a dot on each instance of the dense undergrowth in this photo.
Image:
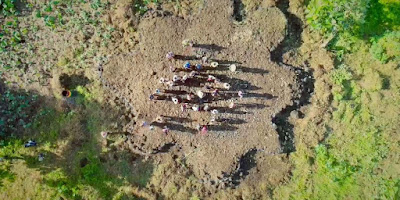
(359, 157)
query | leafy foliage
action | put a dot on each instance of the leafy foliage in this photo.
(142, 6)
(7, 7)
(386, 48)
(336, 16)
(15, 112)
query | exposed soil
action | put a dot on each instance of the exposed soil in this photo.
(229, 148)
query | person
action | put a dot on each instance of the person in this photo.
(196, 108)
(198, 67)
(240, 94)
(31, 143)
(232, 105)
(175, 100)
(198, 127)
(189, 96)
(151, 127)
(204, 59)
(176, 78)
(200, 94)
(214, 111)
(187, 65)
(187, 42)
(41, 157)
(215, 93)
(104, 134)
(193, 74)
(165, 130)
(170, 56)
(232, 68)
(160, 119)
(170, 83)
(227, 86)
(162, 80)
(211, 78)
(184, 107)
(213, 120)
(214, 64)
(184, 78)
(66, 93)
(151, 97)
(204, 130)
(158, 91)
(206, 108)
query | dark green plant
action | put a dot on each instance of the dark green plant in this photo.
(7, 7)
(142, 6)
(15, 112)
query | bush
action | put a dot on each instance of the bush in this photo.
(336, 16)
(7, 7)
(386, 48)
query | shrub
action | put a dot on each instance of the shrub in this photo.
(15, 112)
(386, 48)
(336, 16)
(7, 7)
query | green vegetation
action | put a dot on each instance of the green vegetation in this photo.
(387, 48)
(346, 22)
(78, 173)
(356, 160)
(142, 6)
(7, 7)
(15, 112)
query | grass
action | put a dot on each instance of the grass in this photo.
(66, 139)
(355, 159)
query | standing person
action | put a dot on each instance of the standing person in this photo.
(199, 67)
(204, 60)
(165, 130)
(240, 94)
(204, 130)
(176, 78)
(215, 92)
(187, 65)
(175, 100)
(184, 107)
(170, 55)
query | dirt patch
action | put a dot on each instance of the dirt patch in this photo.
(268, 87)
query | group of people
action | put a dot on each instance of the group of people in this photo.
(208, 88)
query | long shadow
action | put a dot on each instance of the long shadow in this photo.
(259, 95)
(212, 47)
(251, 105)
(236, 83)
(223, 109)
(175, 127)
(225, 62)
(178, 119)
(183, 57)
(241, 69)
(221, 128)
(231, 121)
